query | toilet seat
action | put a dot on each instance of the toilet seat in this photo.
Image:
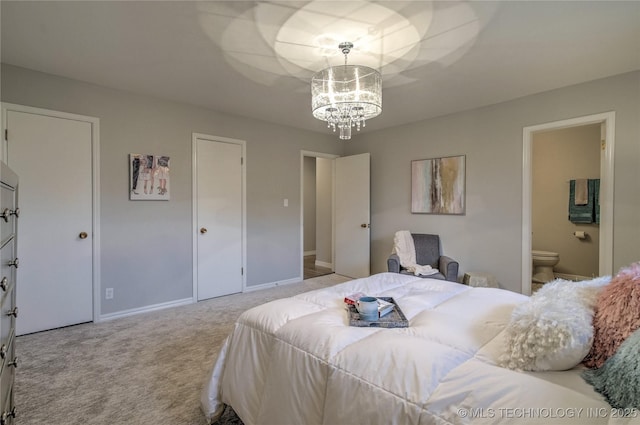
(537, 253)
(543, 263)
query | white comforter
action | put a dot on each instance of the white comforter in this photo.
(297, 361)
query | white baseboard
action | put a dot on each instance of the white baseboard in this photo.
(323, 264)
(573, 277)
(272, 284)
(134, 311)
(309, 253)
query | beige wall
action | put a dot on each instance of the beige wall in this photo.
(136, 123)
(324, 211)
(557, 157)
(309, 209)
(489, 237)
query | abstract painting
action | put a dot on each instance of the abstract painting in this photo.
(438, 185)
(148, 177)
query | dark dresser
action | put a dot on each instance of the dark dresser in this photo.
(9, 213)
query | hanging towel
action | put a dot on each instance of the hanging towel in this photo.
(596, 199)
(582, 192)
(581, 213)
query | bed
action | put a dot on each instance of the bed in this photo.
(297, 361)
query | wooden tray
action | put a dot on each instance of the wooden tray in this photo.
(394, 319)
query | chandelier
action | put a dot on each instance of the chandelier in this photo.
(346, 96)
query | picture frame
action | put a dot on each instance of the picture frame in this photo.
(438, 185)
(149, 177)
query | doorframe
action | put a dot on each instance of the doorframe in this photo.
(332, 157)
(194, 205)
(95, 183)
(606, 189)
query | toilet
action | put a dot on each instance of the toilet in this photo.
(543, 263)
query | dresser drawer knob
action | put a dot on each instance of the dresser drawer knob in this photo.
(5, 214)
(16, 212)
(13, 312)
(7, 415)
(3, 284)
(13, 363)
(14, 263)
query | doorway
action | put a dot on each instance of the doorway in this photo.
(219, 219)
(55, 155)
(317, 214)
(350, 213)
(606, 124)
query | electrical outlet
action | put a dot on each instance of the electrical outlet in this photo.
(109, 293)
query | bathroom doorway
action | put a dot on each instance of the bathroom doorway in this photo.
(554, 154)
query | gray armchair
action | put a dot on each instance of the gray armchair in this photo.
(428, 253)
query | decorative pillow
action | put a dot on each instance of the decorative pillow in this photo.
(617, 379)
(616, 316)
(553, 329)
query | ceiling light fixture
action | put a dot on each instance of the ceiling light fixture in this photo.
(346, 96)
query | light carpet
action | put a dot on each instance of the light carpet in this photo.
(143, 369)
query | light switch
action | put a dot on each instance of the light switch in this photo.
(286, 202)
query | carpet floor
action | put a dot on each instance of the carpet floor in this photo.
(144, 369)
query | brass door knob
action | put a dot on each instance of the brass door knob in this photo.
(83, 235)
(203, 230)
(364, 225)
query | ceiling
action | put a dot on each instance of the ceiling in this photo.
(256, 59)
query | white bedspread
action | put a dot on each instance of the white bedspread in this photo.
(297, 361)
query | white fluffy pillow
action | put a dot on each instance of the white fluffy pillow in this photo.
(553, 330)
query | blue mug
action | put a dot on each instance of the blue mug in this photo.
(368, 308)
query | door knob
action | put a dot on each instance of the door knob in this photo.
(203, 230)
(83, 235)
(364, 225)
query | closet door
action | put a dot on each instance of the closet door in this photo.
(219, 220)
(53, 157)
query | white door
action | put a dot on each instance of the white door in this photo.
(53, 159)
(352, 195)
(218, 190)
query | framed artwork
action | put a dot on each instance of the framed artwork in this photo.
(148, 177)
(438, 185)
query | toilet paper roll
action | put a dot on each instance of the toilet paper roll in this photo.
(580, 235)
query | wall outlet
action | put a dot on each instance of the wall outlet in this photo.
(108, 293)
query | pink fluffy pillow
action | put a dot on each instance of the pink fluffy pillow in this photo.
(617, 315)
